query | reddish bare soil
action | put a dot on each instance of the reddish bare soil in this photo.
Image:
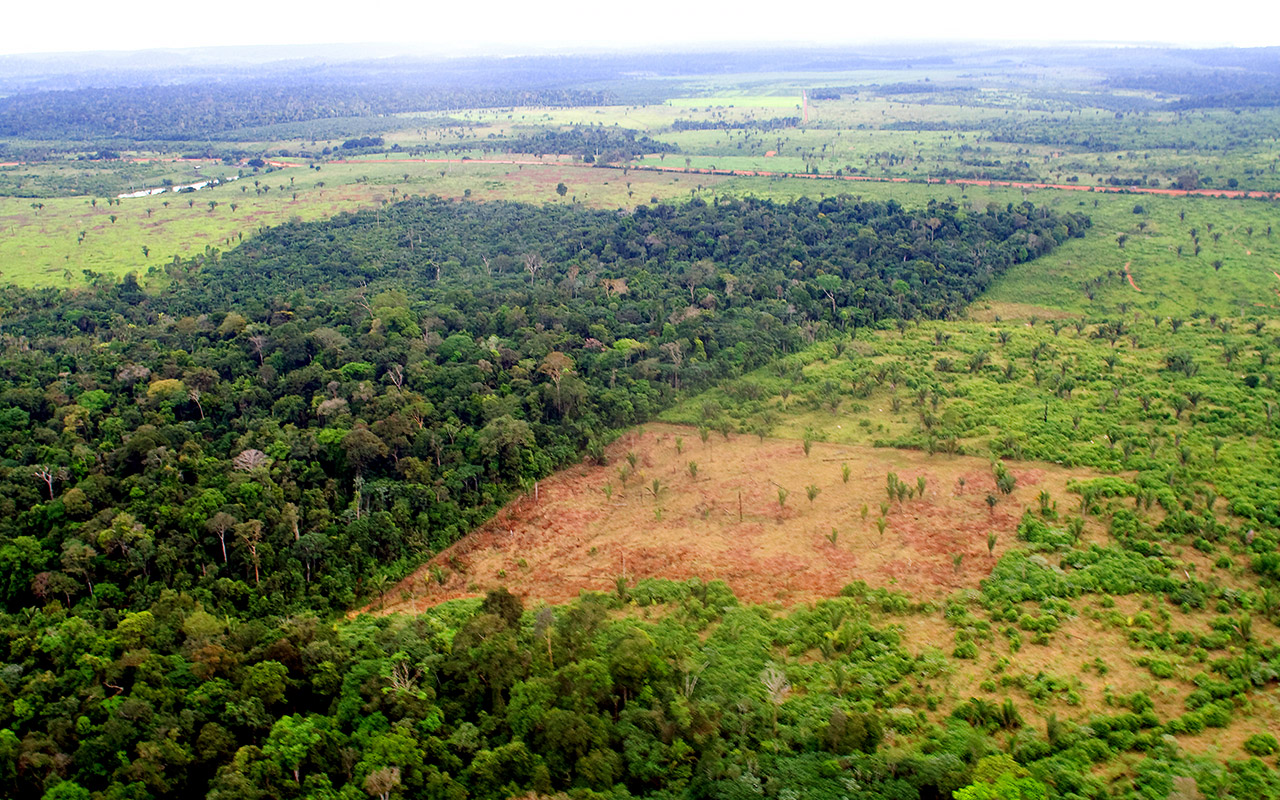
(727, 523)
(1129, 275)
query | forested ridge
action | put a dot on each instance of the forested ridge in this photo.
(188, 113)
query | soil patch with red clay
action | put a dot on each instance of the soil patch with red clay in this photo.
(728, 524)
(1129, 275)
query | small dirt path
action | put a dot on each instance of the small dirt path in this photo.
(1129, 275)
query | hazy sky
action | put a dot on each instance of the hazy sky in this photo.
(507, 26)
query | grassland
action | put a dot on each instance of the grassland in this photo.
(43, 245)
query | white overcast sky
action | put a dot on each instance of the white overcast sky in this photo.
(501, 26)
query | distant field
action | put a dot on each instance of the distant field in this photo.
(43, 246)
(1233, 274)
(790, 100)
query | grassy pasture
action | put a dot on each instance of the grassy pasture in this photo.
(43, 247)
(101, 179)
(1168, 283)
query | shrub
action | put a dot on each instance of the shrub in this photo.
(1261, 744)
(1216, 715)
(965, 650)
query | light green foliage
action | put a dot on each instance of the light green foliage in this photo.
(1005, 787)
(292, 739)
(1261, 744)
(66, 790)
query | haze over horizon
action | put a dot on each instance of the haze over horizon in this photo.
(577, 26)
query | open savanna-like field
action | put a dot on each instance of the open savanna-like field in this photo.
(51, 241)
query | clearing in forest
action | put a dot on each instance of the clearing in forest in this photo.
(742, 515)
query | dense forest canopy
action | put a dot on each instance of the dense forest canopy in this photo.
(283, 426)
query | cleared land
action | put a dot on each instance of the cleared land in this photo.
(51, 241)
(576, 537)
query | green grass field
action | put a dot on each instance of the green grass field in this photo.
(43, 246)
(1168, 283)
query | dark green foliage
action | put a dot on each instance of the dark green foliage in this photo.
(185, 496)
(594, 144)
(468, 698)
(198, 112)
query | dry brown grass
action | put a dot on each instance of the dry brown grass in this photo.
(727, 523)
(992, 311)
